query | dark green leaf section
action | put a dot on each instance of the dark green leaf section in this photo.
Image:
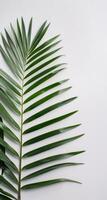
(10, 175)
(29, 33)
(48, 169)
(9, 78)
(20, 40)
(51, 146)
(8, 148)
(8, 102)
(8, 133)
(49, 109)
(43, 46)
(42, 52)
(9, 62)
(42, 74)
(42, 80)
(49, 122)
(49, 134)
(14, 49)
(46, 98)
(7, 117)
(51, 159)
(7, 184)
(9, 164)
(6, 194)
(17, 43)
(10, 93)
(42, 58)
(9, 85)
(39, 35)
(3, 197)
(24, 36)
(2, 148)
(47, 183)
(44, 90)
(45, 64)
(11, 55)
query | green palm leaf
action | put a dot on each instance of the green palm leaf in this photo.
(32, 63)
(47, 183)
(2, 148)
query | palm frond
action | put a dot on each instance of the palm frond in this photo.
(32, 63)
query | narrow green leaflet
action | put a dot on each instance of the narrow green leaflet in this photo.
(45, 64)
(39, 35)
(9, 78)
(42, 80)
(44, 90)
(17, 42)
(24, 37)
(45, 50)
(49, 109)
(49, 134)
(11, 55)
(46, 98)
(10, 175)
(8, 133)
(6, 194)
(14, 49)
(9, 63)
(49, 159)
(4, 197)
(8, 185)
(48, 169)
(29, 33)
(8, 102)
(42, 73)
(7, 117)
(43, 46)
(10, 93)
(9, 85)
(47, 183)
(8, 147)
(20, 40)
(35, 62)
(8, 162)
(2, 148)
(48, 122)
(51, 146)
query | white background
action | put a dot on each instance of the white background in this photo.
(83, 28)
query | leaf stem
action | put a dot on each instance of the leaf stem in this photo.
(21, 141)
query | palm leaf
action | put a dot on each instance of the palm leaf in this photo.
(32, 63)
(2, 148)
